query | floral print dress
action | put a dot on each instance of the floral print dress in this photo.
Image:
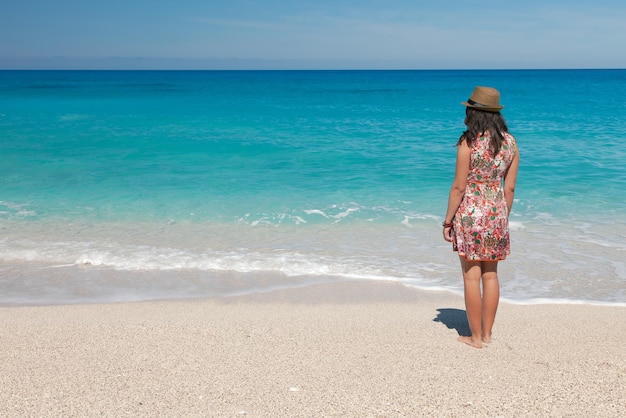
(481, 226)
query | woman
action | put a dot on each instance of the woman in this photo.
(481, 197)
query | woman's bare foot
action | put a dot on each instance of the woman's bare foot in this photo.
(471, 342)
(487, 340)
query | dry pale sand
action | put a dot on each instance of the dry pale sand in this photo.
(350, 349)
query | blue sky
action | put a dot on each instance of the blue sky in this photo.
(238, 34)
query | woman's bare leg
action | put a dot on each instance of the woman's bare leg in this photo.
(472, 274)
(491, 297)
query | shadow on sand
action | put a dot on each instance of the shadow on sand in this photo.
(454, 319)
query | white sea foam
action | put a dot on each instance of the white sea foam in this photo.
(345, 213)
(316, 212)
(17, 210)
(545, 264)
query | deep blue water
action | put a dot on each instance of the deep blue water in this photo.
(124, 185)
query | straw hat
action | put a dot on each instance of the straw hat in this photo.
(484, 98)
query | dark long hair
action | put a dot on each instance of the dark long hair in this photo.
(479, 121)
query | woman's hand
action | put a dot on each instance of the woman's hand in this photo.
(447, 233)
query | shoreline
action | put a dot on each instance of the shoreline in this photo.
(25, 286)
(342, 349)
(106, 263)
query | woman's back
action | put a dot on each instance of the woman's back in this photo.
(481, 223)
(484, 167)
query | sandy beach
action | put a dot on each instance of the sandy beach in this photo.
(357, 349)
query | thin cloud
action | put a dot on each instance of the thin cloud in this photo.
(242, 24)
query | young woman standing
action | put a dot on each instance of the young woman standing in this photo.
(481, 197)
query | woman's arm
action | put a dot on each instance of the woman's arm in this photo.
(509, 181)
(457, 191)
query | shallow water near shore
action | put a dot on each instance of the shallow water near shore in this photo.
(124, 186)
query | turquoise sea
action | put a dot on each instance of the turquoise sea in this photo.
(136, 185)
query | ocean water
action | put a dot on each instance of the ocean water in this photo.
(136, 185)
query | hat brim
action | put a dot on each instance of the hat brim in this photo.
(485, 108)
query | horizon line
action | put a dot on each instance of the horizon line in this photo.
(113, 63)
(323, 69)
